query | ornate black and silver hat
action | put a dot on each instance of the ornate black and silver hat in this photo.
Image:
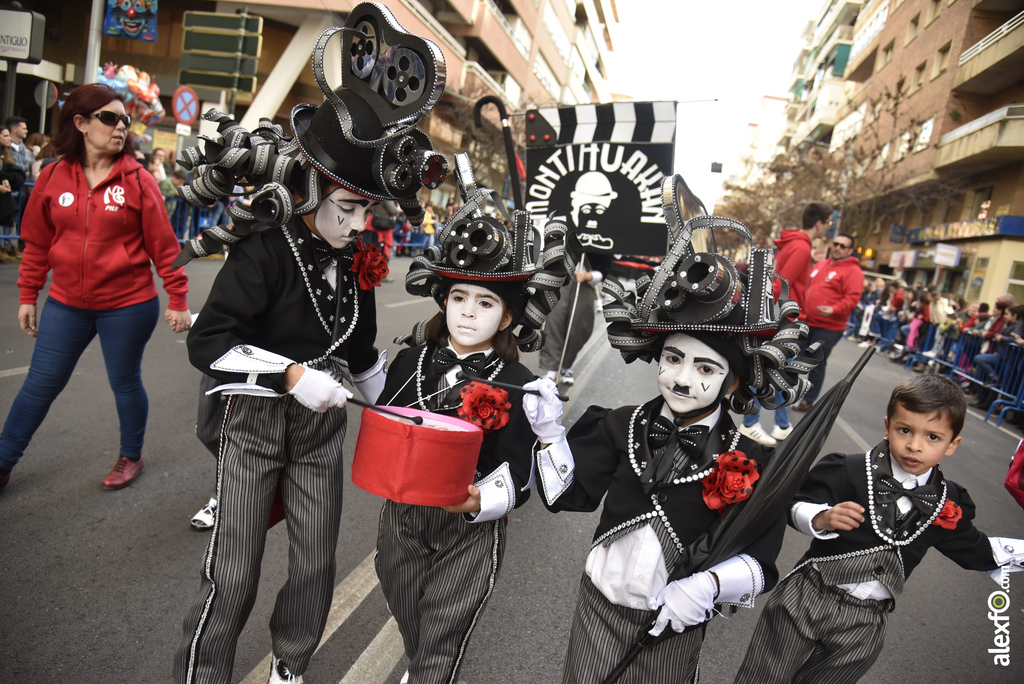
(699, 291)
(524, 265)
(363, 136)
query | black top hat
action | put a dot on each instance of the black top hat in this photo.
(525, 266)
(362, 137)
(699, 290)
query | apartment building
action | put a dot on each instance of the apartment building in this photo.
(526, 52)
(934, 116)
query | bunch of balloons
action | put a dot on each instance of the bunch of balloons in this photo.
(141, 93)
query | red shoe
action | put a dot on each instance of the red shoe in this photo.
(124, 473)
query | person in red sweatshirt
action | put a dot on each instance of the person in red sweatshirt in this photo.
(96, 223)
(836, 286)
(792, 262)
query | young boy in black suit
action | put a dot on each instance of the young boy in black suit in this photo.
(873, 517)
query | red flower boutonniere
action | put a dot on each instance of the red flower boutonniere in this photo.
(484, 406)
(731, 481)
(949, 516)
(371, 265)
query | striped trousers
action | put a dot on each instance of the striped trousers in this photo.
(268, 443)
(811, 632)
(437, 572)
(601, 634)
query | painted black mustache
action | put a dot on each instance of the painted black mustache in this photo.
(680, 389)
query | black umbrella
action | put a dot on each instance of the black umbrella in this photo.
(780, 479)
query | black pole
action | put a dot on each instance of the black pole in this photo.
(510, 146)
(12, 71)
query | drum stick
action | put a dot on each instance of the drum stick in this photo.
(506, 385)
(416, 420)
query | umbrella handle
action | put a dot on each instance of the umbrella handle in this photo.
(510, 146)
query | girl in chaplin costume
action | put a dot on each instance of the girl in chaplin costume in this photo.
(437, 566)
(291, 315)
(667, 469)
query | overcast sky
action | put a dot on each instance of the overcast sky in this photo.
(733, 50)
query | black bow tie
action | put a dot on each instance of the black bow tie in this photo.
(684, 446)
(445, 359)
(324, 253)
(925, 498)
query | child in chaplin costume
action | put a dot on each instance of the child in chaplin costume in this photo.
(437, 566)
(667, 469)
(873, 517)
(290, 315)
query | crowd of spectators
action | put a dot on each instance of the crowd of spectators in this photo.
(901, 321)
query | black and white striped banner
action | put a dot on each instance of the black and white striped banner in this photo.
(600, 168)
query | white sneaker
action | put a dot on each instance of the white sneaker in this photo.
(781, 433)
(280, 674)
(405, 677)
(567, 378)
(757, 433)
(203, 520)
(865, 344)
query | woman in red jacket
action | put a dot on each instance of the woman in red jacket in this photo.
(96, 220)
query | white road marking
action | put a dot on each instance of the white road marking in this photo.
(13, 371)
(347, 597)
(379, 658)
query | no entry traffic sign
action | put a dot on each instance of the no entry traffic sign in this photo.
(185, 105)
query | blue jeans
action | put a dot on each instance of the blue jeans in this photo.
(828, 339)
(781, 414)
(64, 333)
(985, 366)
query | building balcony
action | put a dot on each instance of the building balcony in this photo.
(457, 12)
(989, 141)
(494, 40)
(821, 109)
(998, 5)
(864, 52)
(842, 12)
(843, 35)
(995, 62)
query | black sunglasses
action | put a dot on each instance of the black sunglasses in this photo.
(841, 245)
(110, 118)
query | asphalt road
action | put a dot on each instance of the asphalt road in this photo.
(96, 583)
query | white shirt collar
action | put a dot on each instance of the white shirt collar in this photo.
(486, 352)
(904, 477)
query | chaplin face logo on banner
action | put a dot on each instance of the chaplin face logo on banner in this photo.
(604, 178)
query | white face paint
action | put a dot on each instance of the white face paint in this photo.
(341, 217)
(474, 315)
(690, 373)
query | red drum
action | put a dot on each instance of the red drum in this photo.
(431, 464)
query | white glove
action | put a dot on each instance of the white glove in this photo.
(686, 602)
(319, 391)
(545, 411)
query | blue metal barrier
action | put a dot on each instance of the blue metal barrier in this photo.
(1007, 381)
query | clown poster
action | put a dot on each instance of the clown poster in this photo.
(131, 19)
(600, 167)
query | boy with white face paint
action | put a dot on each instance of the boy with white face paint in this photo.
(290, 317)
(452, 554)
(666, 470)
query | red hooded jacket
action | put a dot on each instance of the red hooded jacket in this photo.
(793, 262)
(837, 284)
(99, 243)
